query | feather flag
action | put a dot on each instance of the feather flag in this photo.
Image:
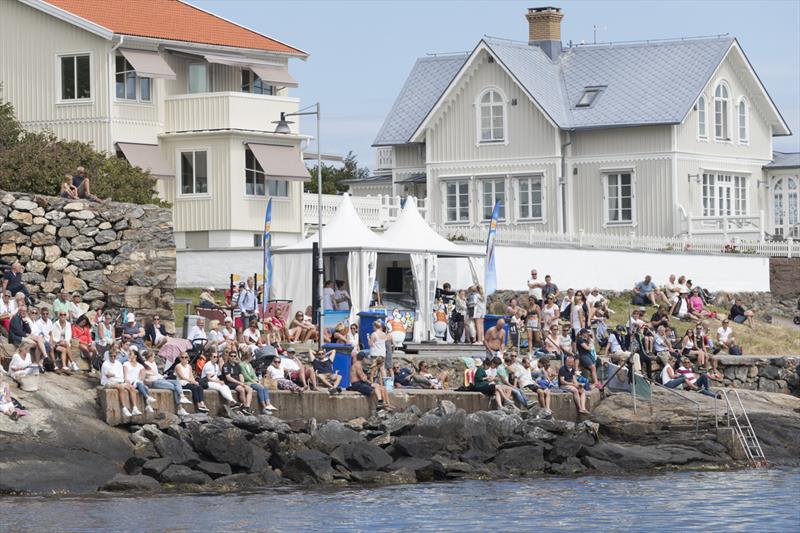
(267, 270)
(491, 274)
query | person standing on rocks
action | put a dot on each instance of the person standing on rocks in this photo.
(495, 339)
(568, 382)
(12, 281)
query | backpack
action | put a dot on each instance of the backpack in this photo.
(199, 363)
(735, 350)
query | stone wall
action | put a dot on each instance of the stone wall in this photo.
(114, 253)
(761, 372)
(784, 277)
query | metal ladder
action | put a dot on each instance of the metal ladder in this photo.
(743, 428)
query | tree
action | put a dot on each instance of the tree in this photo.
(36, 162)
(332, 176)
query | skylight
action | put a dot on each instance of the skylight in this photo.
(589, 96)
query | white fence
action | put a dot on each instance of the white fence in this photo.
(681, 244)
(376, 211)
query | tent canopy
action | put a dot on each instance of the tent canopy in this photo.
(411, 233)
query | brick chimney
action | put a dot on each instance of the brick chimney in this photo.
(544, 29)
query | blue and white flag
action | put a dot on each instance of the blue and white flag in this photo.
(491, 274)
(267, 271)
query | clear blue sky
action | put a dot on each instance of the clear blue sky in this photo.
(362, 51)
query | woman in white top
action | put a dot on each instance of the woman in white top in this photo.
(229, 333)
(670, 378)
(154, 380)
(185, 375)
(105, 332)
(215, 337)
(479, 312)
(62, 337)
(213, 374)
(134, 372)
(21, 364)
(377, 340)
(112, 376)
(550, 312)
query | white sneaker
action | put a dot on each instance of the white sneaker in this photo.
(150, 399)
(149, 409)
(270, 407)
(184, 399)
(182, 412)
(126, 413)
(136, 412)
(74, 367)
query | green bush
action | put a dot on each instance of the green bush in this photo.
(36, 162)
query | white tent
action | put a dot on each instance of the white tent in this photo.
(424, 245)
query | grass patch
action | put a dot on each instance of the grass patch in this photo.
(180, 309)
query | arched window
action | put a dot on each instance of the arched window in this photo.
(491, 115)
(702, 131)
(744, 126)
(721, 110)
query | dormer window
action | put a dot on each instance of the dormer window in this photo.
(589, 96)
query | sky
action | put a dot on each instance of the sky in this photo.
(362, 51)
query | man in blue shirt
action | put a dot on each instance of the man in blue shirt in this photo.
(645, 292)
(248, 302)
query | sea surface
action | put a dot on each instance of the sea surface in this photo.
(762, 500)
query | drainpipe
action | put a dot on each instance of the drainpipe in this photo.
(111, 93)
(563, 182)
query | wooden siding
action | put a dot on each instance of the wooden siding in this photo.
(616, 141)
(652, 191)
(30, 42)
(453, 134)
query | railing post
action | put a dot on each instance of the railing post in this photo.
(632, 237)
(580, 238)
(725, 228)
(789, 247)
(683, 243)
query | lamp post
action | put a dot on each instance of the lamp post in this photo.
(283, 127)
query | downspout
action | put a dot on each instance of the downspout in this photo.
(563, 182)
(111, 93)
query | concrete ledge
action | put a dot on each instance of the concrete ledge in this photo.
(322, 406)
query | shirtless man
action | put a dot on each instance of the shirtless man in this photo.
(359, 381)
(495, 339)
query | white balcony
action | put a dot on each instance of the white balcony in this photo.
(384, 158)
(751, 226)
(226, 111)
(376, 211)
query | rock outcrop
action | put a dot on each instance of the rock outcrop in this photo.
(116, 253)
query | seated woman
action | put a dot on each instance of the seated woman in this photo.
(339, 335)
(133, 372)
(426, 380)
(278, 328)
(251, 380)
(695, 381)
(352, 337)
(229, 333)
(484, 384)
(216, 340)
(212, 372)
(378, 375)
(112, 376)
(7, 407)
(105, 333)
(280, 377)
(740, 315)
(696, 305)
(567, 381)
(300, 330)
(154, 380)
(185, 375)
(323, 368)
(68, 190)
(297, 371)
(155, 333)
(682, 308)
(21, 364)
(669, 377)
(82, 330)
(252, 336)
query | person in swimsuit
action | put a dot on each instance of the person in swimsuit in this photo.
(494, 339)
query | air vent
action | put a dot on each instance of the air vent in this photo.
(491, 59)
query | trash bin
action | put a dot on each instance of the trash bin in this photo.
(341, 361)
(489, 321)
(366, 318)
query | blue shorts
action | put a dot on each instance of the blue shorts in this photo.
(361, 387)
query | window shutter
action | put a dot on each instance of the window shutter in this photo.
(478, 184)
(545, 199)
(443, 202)
(634, 210)
(604, 185)
(516, 199)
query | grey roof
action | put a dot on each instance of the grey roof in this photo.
(424, 85)
(785, 160)
(643, 83)
(414, 178)
(368, 179)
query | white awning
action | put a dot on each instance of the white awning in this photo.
(280, 162)
(268, 72)
(148, 64)
(147, 157)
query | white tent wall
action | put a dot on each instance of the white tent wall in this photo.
(291, 279)
(361, 269)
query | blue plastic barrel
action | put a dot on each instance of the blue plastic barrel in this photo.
(341, 361)
(365, 329)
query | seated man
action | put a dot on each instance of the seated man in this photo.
(739, 314)
(83, 184)
(12, 281)
(523, 379)
(112, 376)
(323, 367)
(296, 371)
(725, 338)
(133, 332)
(568, 382)
(198, 331)
(156, 333)
(207, 300)
(359, 381)
(645, 292)
(76, 307)
(19, 328)
(402, 376)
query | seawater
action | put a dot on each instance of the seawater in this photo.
(753, 500)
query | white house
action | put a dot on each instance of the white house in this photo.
(655, 138)
(174, 89)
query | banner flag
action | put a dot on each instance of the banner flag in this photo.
(267, 271)
(490, 284)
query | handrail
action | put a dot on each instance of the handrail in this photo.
(696, 404)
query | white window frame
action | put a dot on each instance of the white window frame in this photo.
(138, 99)
(737, 186)
(267, 182)
(189, 78)
(702, 111)
(607, 222)
(478, 115)
(179, 173)
(60, 80)
(251, 83)
(494, 179)
(743, 104)
(726, 116)
(518, 195)
(458, 182)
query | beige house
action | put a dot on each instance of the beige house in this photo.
(656, 138)
(175, 90)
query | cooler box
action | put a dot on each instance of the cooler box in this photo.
(489, 321)
(365, 320)
(341, 361)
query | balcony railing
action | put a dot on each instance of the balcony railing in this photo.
(725, 225)
(376, 211)
(384, 158)
(224, 111)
